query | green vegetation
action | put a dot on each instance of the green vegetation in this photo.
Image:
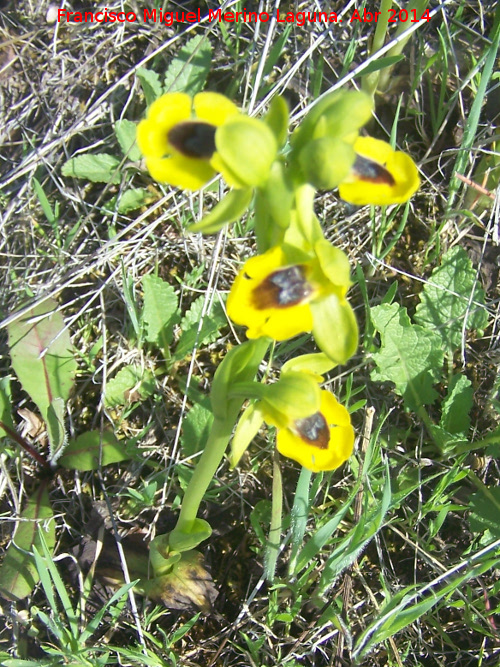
(120, 366)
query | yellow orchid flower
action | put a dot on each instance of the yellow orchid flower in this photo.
(313, 428)
(177, 138)
(280, 297)
(379, 175)
(322, 441)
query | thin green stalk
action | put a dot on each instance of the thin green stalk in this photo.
(205, 470)
(370, 81)
(419, 6)
(273, 543)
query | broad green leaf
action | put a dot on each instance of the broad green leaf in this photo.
(485, 511)
(150, 83)
(191, 331)
(42, 355)
(160, 310)
(102, 168)
(410, 356)
(18, 574)
(229, 209)
(56, 429)
(5, 405)
(84, 453)
(195, 430)
(457, 405)
(188, 71)
(452, 302)
(126, 131)
(128, 200)
(130, 385)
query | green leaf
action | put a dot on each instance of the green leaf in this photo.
(410, 356)
(18, 574)
(229, 209)
(126, 131)
(181, 540)
(247, 428)
(160, 310)
(42, 355)
(188, 71)
(5, 405)
(381, 63)
(457, 405)
(485, 511)
(84, 453)
(190, 325)
(130, 385)
(128, 200)
(195, 430)
(150, 83)
(55, 428)
(452, 302)
(102, 168)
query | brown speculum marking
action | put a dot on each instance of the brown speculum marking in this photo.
(373, 172)
(314, 430)
(282, 289)
(193, 139)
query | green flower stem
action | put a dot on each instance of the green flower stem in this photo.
(205, 470)
(370, 81)
(419, 6)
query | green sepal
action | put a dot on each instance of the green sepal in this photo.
(296, 395)
(315, 363)
(229, 209)
(326, 162)
(239, 365)
(278, 119)
(184, 540)
(334, 263)
(247, 428)
(247, 147)
(335, 328)
(338, 114)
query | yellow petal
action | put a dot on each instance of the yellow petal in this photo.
(397, 181)
(183, 172)
(151, 140)
(170, 109)
(214, 108)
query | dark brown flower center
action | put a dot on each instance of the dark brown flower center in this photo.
(193, 139)
(314, 430)
(373, 172)
(282, 289)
